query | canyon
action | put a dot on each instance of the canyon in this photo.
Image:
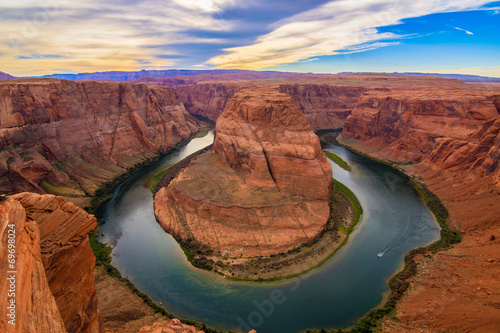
(263, 190)
(448, 139)
(324, 106)
(68, 138)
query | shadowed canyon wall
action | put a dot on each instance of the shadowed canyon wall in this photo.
(324, 106)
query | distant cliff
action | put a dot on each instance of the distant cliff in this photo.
(55, 289)
(207, 100)
(127, 76)
(324, 106)
(69, 137)
(413, 125)
(5, 76)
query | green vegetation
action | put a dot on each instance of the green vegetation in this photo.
(338, 160)
(449, 235)
(153, 181)
(358, 210)
(338, 189)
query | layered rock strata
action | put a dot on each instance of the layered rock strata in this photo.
(206, 100)
(324, 106)
(265, 188)
(69, 137)
(408, 125)
(451, 137)
(54, 263)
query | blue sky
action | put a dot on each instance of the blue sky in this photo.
(55, 36)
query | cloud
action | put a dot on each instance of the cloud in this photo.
(40, 56)
(111, 35)
(206, 5)
(466, 31)
(333, 27)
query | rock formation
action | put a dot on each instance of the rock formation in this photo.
(408, 125)
(206, 100)
(55, 265)
(70, 137)
(451, 136)
(325, 106)
(263, 134)
(264, 190)
(35, 307)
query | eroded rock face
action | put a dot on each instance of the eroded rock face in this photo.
(454, 134)
(35, 307)
(264, 134)
(56, 262)
(81, 134)
(207, 100)
(324, 106)
(408, 125)
(264, 189)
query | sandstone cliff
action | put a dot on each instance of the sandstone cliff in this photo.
(35, 307)
(54, 263)
(69, 137)
(207, 100)
(264, 134)
(324, 106)
(408, 125)
(264, 190)
(451, 136)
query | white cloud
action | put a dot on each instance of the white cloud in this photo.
(330, 28)
(96, 35)
(206, 5)
(466, 31)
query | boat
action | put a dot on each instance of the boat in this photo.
(381, 254)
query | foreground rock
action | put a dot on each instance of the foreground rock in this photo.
(264, 190)
(451, 136)
(55, 266)
(69, 137)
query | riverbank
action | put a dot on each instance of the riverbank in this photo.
(345, 213)
(106, 189)
(125, 308)
(386, 316)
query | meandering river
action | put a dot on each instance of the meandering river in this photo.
(336, 294)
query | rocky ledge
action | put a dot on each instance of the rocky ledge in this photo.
(54, 264)
(263, 190)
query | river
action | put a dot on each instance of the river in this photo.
(337, 294)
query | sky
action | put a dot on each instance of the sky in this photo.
(321, 36)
